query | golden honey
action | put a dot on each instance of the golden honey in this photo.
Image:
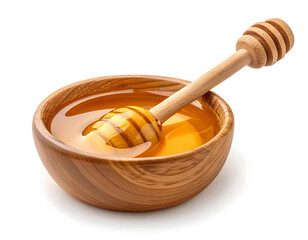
(191, 127)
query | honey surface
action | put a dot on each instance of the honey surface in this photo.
(189, 128)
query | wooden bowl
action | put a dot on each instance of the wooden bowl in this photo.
(130, 184)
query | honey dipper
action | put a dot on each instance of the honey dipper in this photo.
(263, 44)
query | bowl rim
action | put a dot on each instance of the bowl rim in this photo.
(40, 128)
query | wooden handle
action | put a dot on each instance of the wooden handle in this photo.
(262, 44)
(192, 91)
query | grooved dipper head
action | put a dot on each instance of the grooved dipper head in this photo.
(267, 42)
(127, 127)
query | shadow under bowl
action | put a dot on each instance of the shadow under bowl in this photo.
(130, 184)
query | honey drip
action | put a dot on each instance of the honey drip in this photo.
(188, 129)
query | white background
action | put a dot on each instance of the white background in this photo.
(261, 193)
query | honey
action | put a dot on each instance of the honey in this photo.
(191, 127)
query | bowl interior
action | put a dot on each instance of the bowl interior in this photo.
(53, 103)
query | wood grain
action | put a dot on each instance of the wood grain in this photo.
(130, 184)
(145, 184)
